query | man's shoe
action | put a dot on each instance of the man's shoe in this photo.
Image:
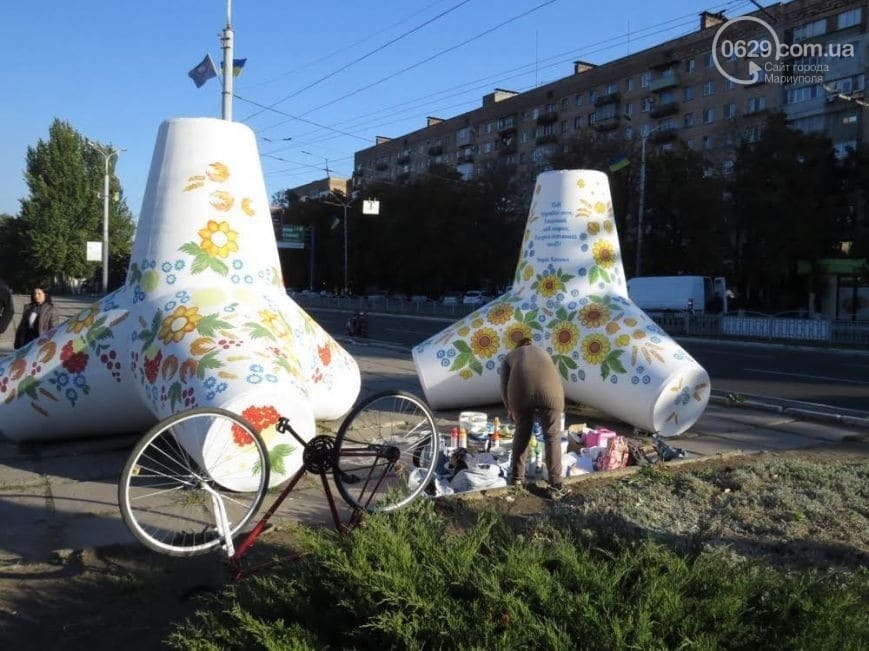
(557, 492)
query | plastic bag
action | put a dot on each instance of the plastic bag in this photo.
(616, 456)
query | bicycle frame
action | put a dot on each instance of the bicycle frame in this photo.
(317, 464)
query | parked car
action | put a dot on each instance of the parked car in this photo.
(398, 296)
(451, 298)
(419, 298)
(475, 297)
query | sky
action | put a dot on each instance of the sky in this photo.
(321, 81)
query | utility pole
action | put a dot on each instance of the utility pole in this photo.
(226, 44)
(642, 207)
(107, 153)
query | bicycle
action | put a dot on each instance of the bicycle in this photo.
(195, 479)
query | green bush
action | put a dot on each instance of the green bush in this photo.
(413, 580)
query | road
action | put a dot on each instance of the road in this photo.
(831, 377)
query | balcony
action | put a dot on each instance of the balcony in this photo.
(663, 135)
(547, 118)
(611, 98)
(435, 150)
(664, 82)
(465, 158)
(544, 140)
(606, 124)
(403, 159)
(663, 110)
(381, 167)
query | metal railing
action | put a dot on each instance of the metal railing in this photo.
(756, 326)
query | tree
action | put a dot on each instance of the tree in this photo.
(784, 193)
(683, 220)
(64, 210)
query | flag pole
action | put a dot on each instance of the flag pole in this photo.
(226, 42)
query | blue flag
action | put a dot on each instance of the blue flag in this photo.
(203, 72)
(237, 65)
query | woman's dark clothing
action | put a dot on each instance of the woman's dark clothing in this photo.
(6, 307)
(37, 319)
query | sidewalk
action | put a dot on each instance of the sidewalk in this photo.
(60, 497)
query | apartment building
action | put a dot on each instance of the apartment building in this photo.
(683, 88)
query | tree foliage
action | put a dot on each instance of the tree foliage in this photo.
(786, 202)
(64, 210)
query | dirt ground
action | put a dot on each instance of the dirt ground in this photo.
(129, 598)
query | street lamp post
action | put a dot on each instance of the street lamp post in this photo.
(642, 207)
(345, 204)
(107, 153)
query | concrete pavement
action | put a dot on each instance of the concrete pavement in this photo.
(56, 498)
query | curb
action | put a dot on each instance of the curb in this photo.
(797, 412)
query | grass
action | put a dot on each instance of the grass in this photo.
(447, 577)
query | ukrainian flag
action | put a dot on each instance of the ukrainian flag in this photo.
(237, 65)
(619, 162)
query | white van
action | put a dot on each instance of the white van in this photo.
(693, 294)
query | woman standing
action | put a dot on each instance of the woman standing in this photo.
(38, 317)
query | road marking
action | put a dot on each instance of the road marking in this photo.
(810, 377)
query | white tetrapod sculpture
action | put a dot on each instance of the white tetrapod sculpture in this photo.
(202, 320)
(569, 296)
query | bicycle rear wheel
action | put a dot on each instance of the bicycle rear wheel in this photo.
(385, 452)
(193, 480)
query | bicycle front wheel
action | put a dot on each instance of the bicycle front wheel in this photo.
(193, 480)
(385, 452)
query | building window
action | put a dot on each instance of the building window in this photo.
(848, 84)
(754, 133)
(487, 147)
(849, 18)
(524, 137)
(645, 79)
(564, 126)
(727, 166)
(802, 94)
(708, 142)
(755, 104)
(850, 119)
(629, 84)
(816, 28)
(463, 135)
(591, 95)
(707, 60)
(811, 124)
(629, 109)
(688, 93)
(549, 108)
(505, 122)
(564, 103)
(592, 118)
(729, 111)
(709, 88)
(577, 122)
(646, 104)
(629, 133)
(689, 65)
(688, 120)
(577, 99)
(611, 88)
(708, 116)
(490, 127)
